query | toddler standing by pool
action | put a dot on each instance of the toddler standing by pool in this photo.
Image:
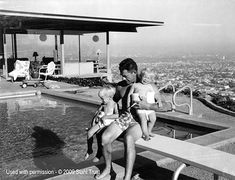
(145, 90)
(105, 115)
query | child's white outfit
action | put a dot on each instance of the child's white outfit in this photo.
(150, 99)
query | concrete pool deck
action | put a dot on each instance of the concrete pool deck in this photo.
(225, 134)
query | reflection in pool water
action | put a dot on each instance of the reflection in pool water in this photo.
(42, 132)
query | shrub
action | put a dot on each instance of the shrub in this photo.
(90, 82)
(223, 101)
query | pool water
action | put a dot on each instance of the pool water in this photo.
(42, 133)
(182, 131)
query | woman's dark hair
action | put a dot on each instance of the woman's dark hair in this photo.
(128, 64)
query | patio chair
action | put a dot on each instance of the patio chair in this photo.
(21, 70)
(48, 70)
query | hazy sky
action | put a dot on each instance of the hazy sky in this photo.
(191, 26)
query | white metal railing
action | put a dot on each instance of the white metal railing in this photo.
(190, 106)
(173, 88)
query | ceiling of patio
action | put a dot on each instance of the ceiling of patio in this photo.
(20, 22)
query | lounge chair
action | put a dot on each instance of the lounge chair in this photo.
(21, 70)
(48, 70)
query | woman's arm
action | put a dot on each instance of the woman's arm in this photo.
(99, 110)
(116, 111)
(117, 95)
(144, 105)
(155, 106)
(129, 95)
(93, 121)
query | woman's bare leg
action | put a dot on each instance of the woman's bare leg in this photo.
(133, 133)
(110, 134)
(99, 152)
(89, 148)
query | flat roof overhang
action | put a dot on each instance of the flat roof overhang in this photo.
(20, 22)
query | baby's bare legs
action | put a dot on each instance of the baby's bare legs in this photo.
(151, 123)
(143, 124)
(92, 131)
(90, 135)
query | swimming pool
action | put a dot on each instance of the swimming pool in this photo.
(48, 133)
(42, 133)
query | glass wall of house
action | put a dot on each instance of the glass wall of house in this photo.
(38, 47)
(92, 47)
(43, 44)
(32, 47)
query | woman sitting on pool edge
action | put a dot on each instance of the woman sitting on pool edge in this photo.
(128, 70)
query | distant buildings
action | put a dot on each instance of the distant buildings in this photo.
(206, 74)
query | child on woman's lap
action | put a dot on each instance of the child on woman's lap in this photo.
(105, 115)
(145, 90)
